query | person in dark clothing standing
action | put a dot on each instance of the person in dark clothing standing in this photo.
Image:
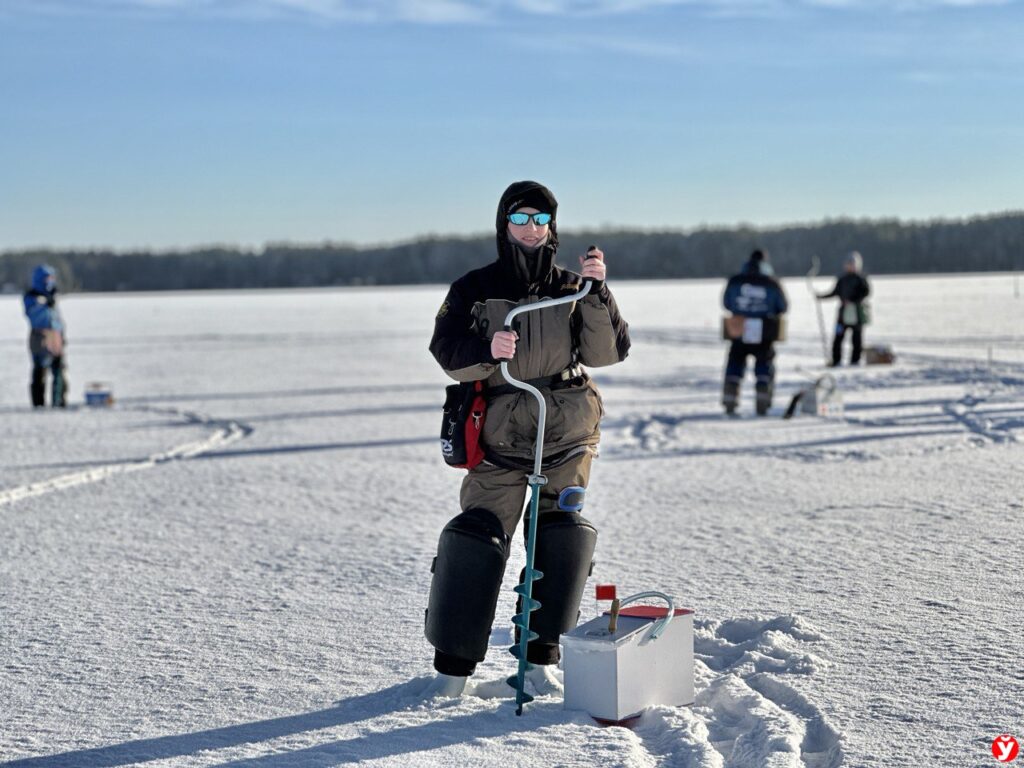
(852, 289)
(755, 295)
(46, 338)
(547, 348)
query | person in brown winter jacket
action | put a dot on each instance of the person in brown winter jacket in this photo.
(550, 349)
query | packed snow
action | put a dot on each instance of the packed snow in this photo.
(229, 566)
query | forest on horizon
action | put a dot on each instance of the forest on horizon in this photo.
(889, 246)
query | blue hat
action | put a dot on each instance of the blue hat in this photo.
(44, 279)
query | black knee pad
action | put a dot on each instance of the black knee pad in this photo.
(470, 563)
(564, 554)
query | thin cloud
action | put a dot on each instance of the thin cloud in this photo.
(357, 11)
(589, 44)
(904, 5)
(467, 11)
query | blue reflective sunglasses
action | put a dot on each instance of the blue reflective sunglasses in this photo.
(540, 219)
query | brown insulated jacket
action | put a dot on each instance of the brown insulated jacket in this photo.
(589, 332)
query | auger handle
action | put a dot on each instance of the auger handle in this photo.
(659, 626)
(542, 406)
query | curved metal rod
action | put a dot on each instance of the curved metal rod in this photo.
(659, 626)
(811, 274)
(542, 412)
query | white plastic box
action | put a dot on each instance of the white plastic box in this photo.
(823, 398)
(615, 676)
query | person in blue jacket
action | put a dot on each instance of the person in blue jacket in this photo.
(756, 295)
(46, 339)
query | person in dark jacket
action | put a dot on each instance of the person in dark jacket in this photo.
(548, 348)
(755, 295)
(46, 338)
(852, 288)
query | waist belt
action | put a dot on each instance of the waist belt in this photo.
(570, 377)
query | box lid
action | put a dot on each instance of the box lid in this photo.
(649, 611)
(595, 632)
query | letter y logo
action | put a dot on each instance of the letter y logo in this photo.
(1005, 748)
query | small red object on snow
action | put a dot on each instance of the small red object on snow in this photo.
(605, 591)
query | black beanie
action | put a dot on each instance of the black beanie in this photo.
(759, 255)
(525, 194)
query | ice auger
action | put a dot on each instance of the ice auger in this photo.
(536, 481)
(811, 274)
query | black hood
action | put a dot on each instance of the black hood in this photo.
(528, 267)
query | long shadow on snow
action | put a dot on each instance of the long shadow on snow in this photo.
(682, 383)
(242, 453)
(276, 394)
(312, 447)
(386, 410)
(874, 406)
(437, 734)
(627, 455)
(352, 710)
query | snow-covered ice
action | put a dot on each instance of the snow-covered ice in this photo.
(230, 567)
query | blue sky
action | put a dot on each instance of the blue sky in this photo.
(165, 123)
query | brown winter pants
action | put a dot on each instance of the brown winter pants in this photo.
(502, 492)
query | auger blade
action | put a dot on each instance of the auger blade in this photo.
(514, 650)
(528, 605)
(520, 621)
(522, 697)
(513, 681)
(530, 636)
(519, 709)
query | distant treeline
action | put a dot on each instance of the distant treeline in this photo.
(987, 243)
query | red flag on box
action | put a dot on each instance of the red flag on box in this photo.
(605, 591)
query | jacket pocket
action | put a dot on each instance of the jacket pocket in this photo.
(574, 415)
(499, 429)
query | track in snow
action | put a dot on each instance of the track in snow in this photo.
(225, 432)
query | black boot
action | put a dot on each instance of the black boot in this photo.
(731, 394)
(837, 347)
(764, 397)
(38, 387)
(60, 385)
(858, 344)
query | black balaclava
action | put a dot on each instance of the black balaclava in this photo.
(528, 266)
(758, 264)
